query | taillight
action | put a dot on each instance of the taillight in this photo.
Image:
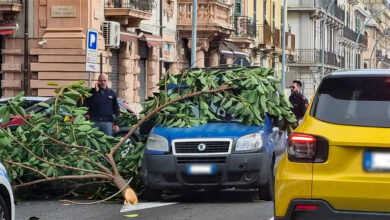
(306, 207)
(307, 148)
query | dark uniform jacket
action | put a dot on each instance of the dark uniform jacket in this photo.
(103, 105)
(299, 103)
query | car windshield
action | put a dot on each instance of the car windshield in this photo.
(214, 104)
(354, 100)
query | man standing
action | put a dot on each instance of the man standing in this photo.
(103, 106)
(298, 101)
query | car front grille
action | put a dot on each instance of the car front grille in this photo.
(202, 146)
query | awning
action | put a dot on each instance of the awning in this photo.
(6, 29)
(230, 50)
(153, 40)
(127, 36)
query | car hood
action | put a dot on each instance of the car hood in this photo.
(210, 130)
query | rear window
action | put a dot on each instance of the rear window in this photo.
(354, 100)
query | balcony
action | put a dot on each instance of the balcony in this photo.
(244, 27)
(305, 5)
(313, 56)
(10, 8)
(212, 18)
(129, 13)
(264, 36)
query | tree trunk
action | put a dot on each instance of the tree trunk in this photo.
(128, 193)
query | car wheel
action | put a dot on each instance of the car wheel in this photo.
(151, 194)
(266, 192)
(4, 211)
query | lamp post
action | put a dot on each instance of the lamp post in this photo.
(193, 42)
(323, 39)
(284, 45)
(360, 32)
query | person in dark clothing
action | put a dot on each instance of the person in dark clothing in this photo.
(299, 102)
(103, 106)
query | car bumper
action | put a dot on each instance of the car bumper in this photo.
(326, 211)
(247, 171)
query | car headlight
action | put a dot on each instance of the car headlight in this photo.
(157, 143)
(249, 142)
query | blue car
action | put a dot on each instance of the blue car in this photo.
(216, 155)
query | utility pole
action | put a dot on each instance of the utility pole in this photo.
(193, 43)
(284, 45)
(323, 39)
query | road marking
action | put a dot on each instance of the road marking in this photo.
(145, 205)
(271, 218)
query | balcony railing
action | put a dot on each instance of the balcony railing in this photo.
(243, 26)
(142, 5)
(350, 34)
(312, 56)
(210, 12)
(264, 33)
(336, 11)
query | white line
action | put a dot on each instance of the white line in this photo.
(271, 218)
(144, 205)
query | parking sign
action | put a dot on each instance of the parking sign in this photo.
(91, 55)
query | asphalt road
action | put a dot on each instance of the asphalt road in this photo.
(225, 205)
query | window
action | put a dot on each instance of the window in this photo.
(349, 100)
(273, 14)
(237, 8)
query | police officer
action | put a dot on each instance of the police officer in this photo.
(103, 106)
(298, 101)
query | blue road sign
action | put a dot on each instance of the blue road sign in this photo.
(92, 38)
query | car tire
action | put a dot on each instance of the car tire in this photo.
(266, 192)
(151, 194)
(4, 210)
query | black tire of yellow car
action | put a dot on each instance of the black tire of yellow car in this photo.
(4, 210)
(151, 194)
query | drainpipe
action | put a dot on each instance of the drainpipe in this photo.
(25, 69)
(161, 34)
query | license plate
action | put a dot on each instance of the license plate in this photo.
(201, 169)
(376, 161)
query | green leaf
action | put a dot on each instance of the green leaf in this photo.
(68, 101)
(4, 110)
(5, 118)
(172, 79)
(44, 165)
(44, 104)
(84, 128)
(18, 96)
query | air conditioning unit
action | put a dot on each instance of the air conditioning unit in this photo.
(292, 58)
(111, 33)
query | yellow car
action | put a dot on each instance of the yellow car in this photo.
(337, 162)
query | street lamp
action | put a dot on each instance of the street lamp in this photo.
(323, 39)
(193, 42)
(360, 32)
